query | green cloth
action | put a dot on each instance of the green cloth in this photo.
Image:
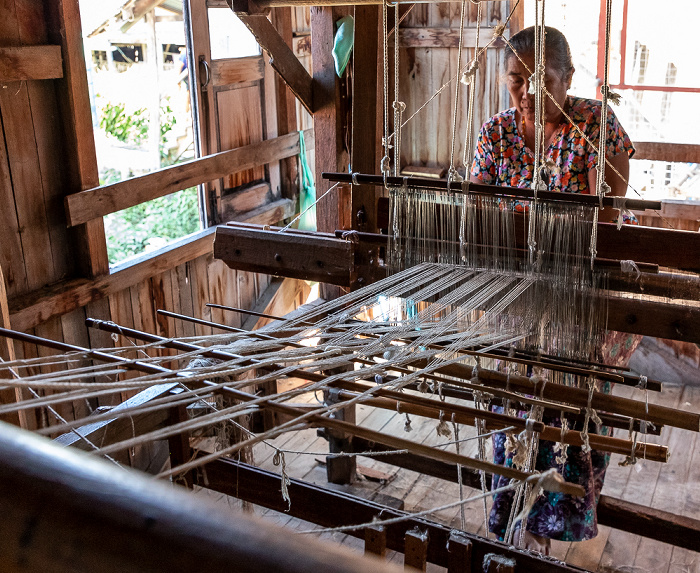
(342, 46)
(307, 194)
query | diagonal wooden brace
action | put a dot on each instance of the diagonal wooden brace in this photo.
(282, 58)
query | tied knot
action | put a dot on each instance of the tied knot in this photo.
(629, 266)
(498, 30)
(453, 175)
(470, 73)
(399, 106)
(613, 97)
(386, 164)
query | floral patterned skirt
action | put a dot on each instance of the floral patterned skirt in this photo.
(555, 515)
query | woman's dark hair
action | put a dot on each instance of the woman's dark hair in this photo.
(557, 51)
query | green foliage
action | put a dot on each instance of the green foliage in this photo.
(131, 231)
(126, 128)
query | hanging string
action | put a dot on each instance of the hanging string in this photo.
(399, 106)
(602, 188)
(452, 174)
(386, 160)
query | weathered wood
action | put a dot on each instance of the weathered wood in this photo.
(237, 70)
(7, 353)
(445, 38)
(30, 63)
(459, 553)
(365, 147)
(285, 105)
(301, 256)
(330, 508)
(375, 540)
(416, 550)
(282, 58)
(126, 522)
(26, 311)
(115, 430)
(87, 205)
(664, 151)
(496, 563)
(79, 166)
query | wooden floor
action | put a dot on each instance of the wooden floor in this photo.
(674, 486)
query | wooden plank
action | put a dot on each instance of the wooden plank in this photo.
(330, 508)
(30, 63)
(365, 147)
(239, 122)
(664, 151)
(87, 205)
(79, 163)
(459, 550)
(445, 38)
(34, 308)
(271, 213)
(285, 104)
(298, 256)
(131, 524)
(237, 70)
(282, 58)
(375, 540)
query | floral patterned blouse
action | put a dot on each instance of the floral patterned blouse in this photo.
(502, 158)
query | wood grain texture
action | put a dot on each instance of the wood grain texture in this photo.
(282, 58)
(445, 38)
(30, 63)
(236, 70)
(663, 151)
(320, 258)
(87, 205)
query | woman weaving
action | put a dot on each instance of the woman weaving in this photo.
(504, 157)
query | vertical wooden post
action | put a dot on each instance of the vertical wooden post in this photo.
(81, 169)
(340, 469)
(459, 553)
(330, 154)
(416, 550)
(375, 540)
(286, 105)
(364, 115)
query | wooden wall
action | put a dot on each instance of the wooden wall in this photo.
(428, 61)
(44, 156)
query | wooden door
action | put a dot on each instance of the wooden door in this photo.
(232, 107)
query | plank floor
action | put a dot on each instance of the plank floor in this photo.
(674, 486)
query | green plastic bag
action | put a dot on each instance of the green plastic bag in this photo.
(342, 45)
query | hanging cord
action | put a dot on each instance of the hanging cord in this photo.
(452, 174)
(462, 516)
(386, 160)
(538, 76)
(469, 77)
(602, 188)
(399, 106)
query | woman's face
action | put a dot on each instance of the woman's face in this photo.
(518, 81)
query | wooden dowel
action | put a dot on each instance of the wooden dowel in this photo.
(399, 443)
(651, 452)
(66, 511)
(490, 190)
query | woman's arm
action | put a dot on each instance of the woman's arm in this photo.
(618, 185)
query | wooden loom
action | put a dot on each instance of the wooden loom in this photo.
(356, 262)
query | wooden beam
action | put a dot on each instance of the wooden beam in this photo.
(416, 550)
(127, 522)
(32, 309)
(30, 63)
(612, 512)
(7, 353)
(663, 151)
(446, 38)
(94, 203)
(237, 70)
(321, 258)
(282, 59)
(365, 147)
(329, 508)
(80, 167)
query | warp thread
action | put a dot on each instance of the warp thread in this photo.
(278, 460)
